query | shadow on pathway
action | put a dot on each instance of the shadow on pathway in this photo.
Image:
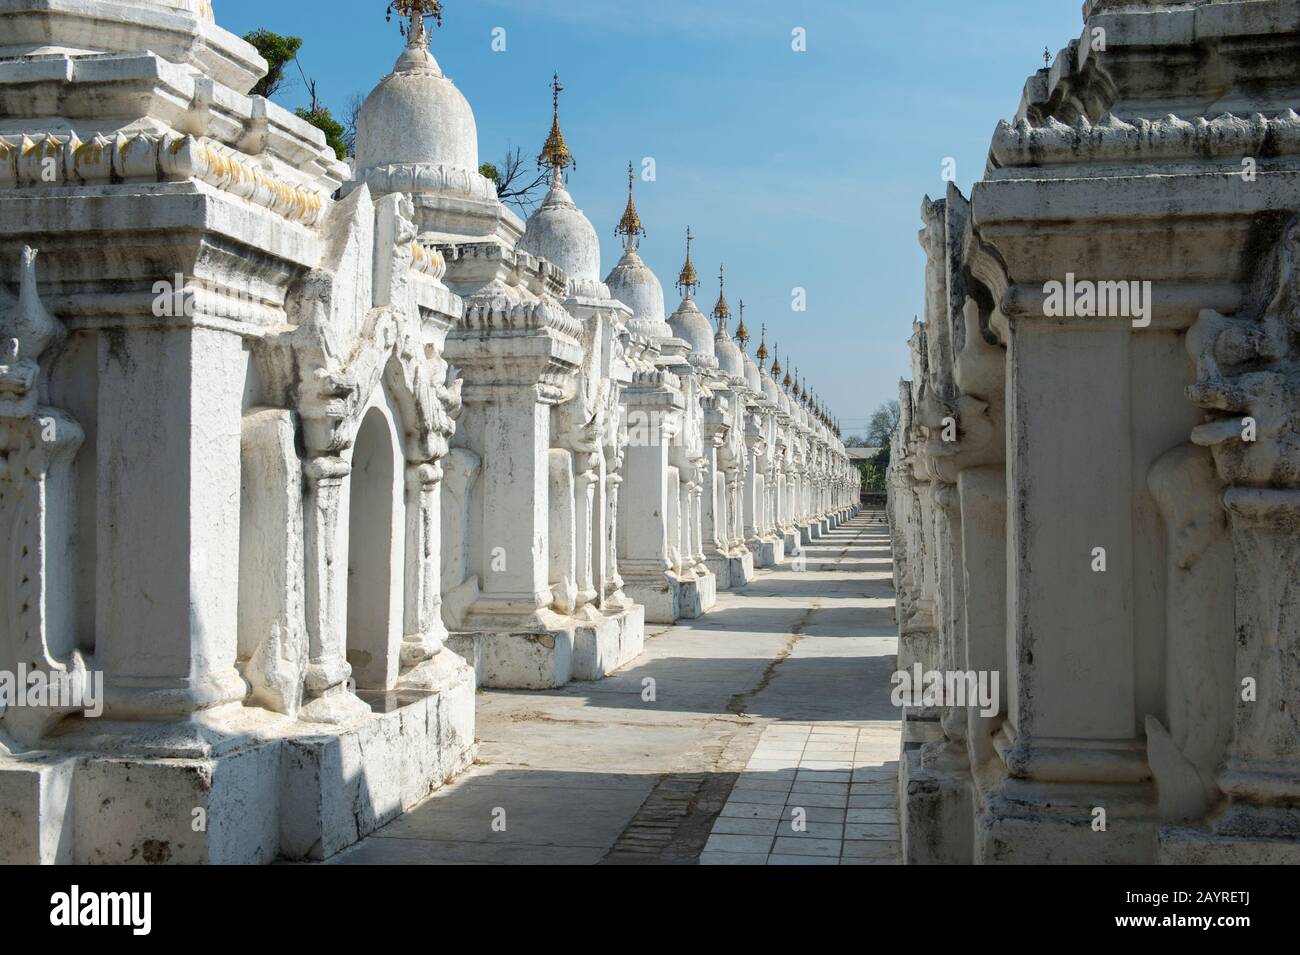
(641, 767)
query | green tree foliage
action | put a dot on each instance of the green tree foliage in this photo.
(279, 52)
(873, 479)
(875, 469)
(334, 130)
(884, 422)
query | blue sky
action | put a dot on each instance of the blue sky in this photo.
(796, 169)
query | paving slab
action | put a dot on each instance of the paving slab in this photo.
(777, 699)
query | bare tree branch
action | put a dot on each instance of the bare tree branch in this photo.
(351, 112)
(516, 184)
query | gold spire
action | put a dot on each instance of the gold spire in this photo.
(555, 154)
(722, 311)
(629, 227)
(762, 347)
(415, 12)
(788, 380)
(742, 333)
(776, 362)
(687, 281)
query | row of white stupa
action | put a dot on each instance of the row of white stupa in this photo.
(374, 444)
(727, 466)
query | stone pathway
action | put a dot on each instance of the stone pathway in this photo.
(813, 794)
(776, 700)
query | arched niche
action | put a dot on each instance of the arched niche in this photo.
(376, 548)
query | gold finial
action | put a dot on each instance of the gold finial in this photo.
(776, 362)
(742, 333)
(415, 12)
(555, 154)
(722, 311)
(762, 347)
(687, 281)
(629, 227)
(788, 380)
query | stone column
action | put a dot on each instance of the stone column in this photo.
(1072, 721)
(325, 554)
(753, 490)
(735, 508)
(1261, 774)
(613, 579)
(983, 493)
(561, 539)
(590, 534)
(515, 516)
(654, 406)
(39, 445)
(168, 589)
(713, 518)
(673, 529)
(703, 476)
(1248, 377)
(643, 530)
(424, 628)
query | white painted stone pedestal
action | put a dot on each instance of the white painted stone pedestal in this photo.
(769, 552)
(267, 787)
(935, 815)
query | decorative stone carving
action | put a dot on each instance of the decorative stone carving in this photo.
(1248, 379)
(37, 447)
(44, 158)
(1198, 660)
(1169, 138)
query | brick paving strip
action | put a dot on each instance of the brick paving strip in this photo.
(674, 823)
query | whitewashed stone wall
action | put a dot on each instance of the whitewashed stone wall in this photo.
(1096, 501)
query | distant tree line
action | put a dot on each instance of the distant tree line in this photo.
(880, 434)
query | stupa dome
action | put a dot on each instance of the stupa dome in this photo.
(633, 284)
(689, 324)
(416, 116)
(561, 234)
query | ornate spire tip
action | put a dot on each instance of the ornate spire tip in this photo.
(688, 282)
(629, 227)
(555, 154)
(415, 12)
